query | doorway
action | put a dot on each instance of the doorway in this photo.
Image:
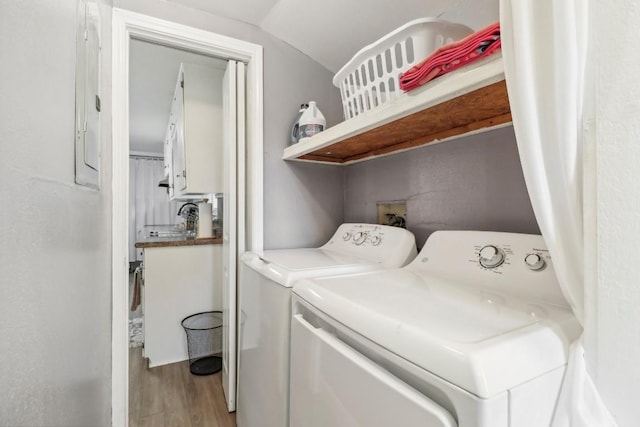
(247, 233)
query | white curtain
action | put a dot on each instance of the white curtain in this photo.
(148, 203)
(544, 47)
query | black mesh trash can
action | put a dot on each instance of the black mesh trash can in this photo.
(204, 341)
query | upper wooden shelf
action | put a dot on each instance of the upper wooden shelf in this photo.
(469, 100)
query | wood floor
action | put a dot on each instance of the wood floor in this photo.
(170, 396)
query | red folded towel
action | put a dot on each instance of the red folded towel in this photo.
(452, 56)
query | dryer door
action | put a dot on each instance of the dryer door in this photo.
(334, 385)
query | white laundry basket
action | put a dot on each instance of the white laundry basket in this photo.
(370, 78)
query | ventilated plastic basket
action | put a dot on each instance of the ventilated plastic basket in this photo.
(370, 78)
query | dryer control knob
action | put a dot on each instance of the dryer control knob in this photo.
(534, 262)
(375, 240)
(346, 236)
(491, 257)
(359, 238)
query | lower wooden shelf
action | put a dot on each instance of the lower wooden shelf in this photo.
(470, 101)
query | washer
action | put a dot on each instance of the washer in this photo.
(475, 332)
(266, 280)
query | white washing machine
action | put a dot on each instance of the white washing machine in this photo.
(265, 284)
(475, 332)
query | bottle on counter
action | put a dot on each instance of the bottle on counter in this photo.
(312, 121)
(295, 128)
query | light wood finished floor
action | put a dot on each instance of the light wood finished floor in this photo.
(170, 396)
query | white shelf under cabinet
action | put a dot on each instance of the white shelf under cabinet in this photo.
(470, 100)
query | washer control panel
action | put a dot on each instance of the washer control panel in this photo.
(374, 242)
(493, 256)
(373, 235)
(495, 263)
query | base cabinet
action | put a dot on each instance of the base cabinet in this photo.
(179, 281)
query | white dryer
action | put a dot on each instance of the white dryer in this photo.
(265, 283)
(475, 332)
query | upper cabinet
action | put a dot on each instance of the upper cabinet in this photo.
(469, 100)
(193, 145)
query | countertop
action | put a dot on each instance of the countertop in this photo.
(161, 242)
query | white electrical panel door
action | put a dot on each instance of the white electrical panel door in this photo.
(87, 153)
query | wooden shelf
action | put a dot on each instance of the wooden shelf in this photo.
(469, 100)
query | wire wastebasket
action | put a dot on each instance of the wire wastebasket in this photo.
(204, 342)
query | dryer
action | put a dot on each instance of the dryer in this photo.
(265, 283)
(475, 332)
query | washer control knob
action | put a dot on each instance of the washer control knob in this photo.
(359, 238)
(534, 262)
(375, 240)
(491, 257)
(346, 236)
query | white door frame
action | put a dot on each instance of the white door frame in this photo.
(128, 25)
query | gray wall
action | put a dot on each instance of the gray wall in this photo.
(303, 203)
(55, 294)
(470, 183)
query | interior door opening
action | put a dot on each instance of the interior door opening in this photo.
(155, 136)
(127, 27)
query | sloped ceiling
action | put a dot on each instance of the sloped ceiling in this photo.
(332, 31)
(250, 11)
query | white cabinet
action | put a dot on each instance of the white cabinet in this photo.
(167, 151)
(178, 281)
(193, 145)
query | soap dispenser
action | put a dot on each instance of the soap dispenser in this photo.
(295, 128)
(312, 121)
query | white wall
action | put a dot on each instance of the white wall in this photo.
(55, 309)
(613, 299)
(303, 203)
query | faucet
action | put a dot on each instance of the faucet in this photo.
(396, 221)
(189, 211)
(186, 204)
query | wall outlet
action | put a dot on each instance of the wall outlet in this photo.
(389, 211)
